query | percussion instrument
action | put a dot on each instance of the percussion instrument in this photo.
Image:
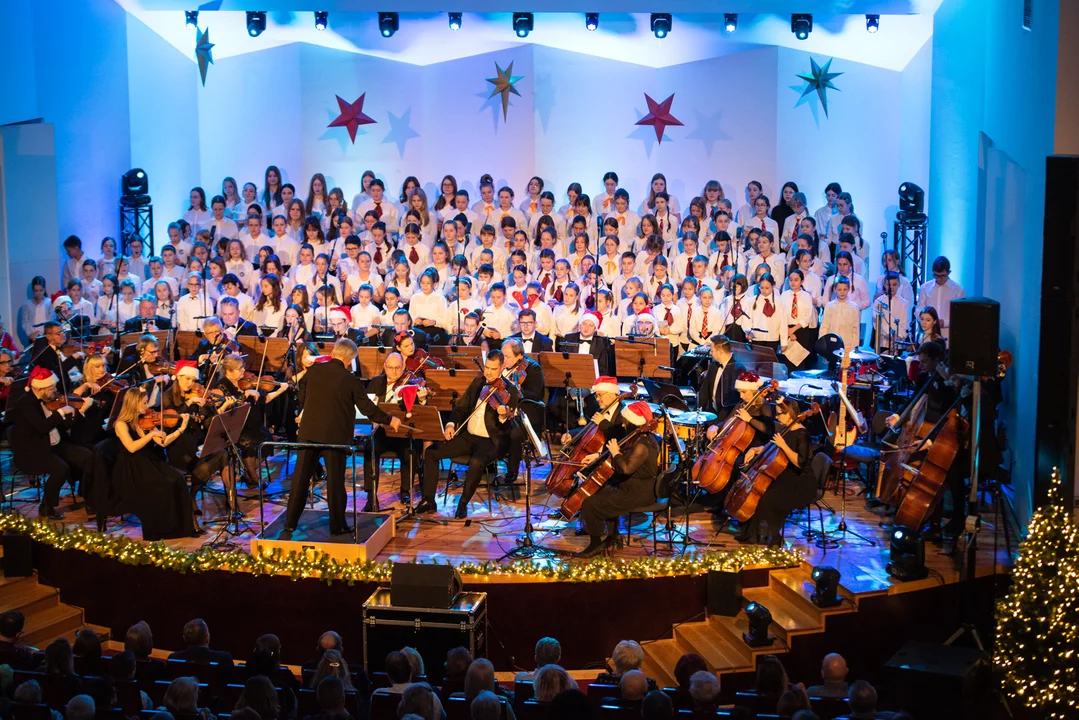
(809, 374)
(858, 356)
(687, 424)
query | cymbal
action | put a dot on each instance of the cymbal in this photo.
(809, 374)
(858, 355)
(699, 417)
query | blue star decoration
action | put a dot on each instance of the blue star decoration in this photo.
(504, 85)
(400, 131)
(203, 46)
(820, 80)
(708, 130)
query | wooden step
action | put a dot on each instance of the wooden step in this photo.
(734, 627)
(7, 583)
(717, 648)
(790, 617)
(660, 657)
(29, 598)
(796, 585)
(44, 626)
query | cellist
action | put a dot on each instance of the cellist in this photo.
(607, 416)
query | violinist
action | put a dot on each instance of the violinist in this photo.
(47, 352)
(718, 393)
(532, 340)
(470, 331)
(7, 360)
(386, 387)
(527, 375)
(934, 381)
(228, 309)
(794, 488)
(237, 390)
(187, 397)
(145, 367)
(478, 428)
(89, 428)
(40, 443)
(636, 466)
(294, 328)
(339, 325)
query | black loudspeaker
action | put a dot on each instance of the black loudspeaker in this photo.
(724, 593)
(424, 586)
(930, 680)
(974, 337)
(18, 555)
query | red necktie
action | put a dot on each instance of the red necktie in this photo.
(689, 313)
(413, 257)
(378, 210)
(660, 227)
(378, 255)
(558, 294)
(769, 309)
(794, 307)
(668, 317)
(737, 312)
(689, 267)
(545, 281)
(704, 324)
(590, 302)
(725, 263)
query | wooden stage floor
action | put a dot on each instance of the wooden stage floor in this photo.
(496, 523)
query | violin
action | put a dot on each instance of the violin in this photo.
(587, 442)
(113, 384)
(162, 368)
(714, 468)
(496, 393)
(75, 401)
(169, 419)
(250, 381)
(517, 373)
(421, 360)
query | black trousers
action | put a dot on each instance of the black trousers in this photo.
(306, 459)
(406, 451)
(67, 462)
(614, 501)
(481, 452)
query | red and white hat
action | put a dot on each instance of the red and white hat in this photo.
(637, 413)
(605, 383)
(748, 381)
(41, 378)
(60, 300)
(647, 315)
(340, 313)
(186, 368)
(593, 317)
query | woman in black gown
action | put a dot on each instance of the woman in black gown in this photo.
(154, 490)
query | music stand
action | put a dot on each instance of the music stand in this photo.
(449, 386)
(660, 391)
(568, 370)
(133, 337)
(423, 422)
(643, 355)
(460, 357)
(534, 449)
(759, 359)
(254, 347)
(369, 360)
(221, 436)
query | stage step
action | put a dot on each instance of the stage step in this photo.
(734, 627)
(796, 585)
(43, 627)
(790, 618)
(660, 657)
(715, 646)
(46, 617)
(29, 598)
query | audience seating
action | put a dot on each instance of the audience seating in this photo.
(148, 714)
(115, 713)
(756, 703)
(680, 698)
(158, 689)
(102, 668)
(30, 711)
(597, 692)
(531, 710)
(384, 706)
(828, 708)
(307, 702)
(523, 690)
(55, 689)
(308, 676)
(449, 687)
(129, 697)
(230, 694)
(617, 712)
(147, 672)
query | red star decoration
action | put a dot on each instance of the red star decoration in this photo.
(659, 116)
(352, 116)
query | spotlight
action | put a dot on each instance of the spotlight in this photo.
(388, 23)
(134, 188)
(192, 17)
(455, 21)
(591, 21)
(907, 553)
(759, 619)
(911, 198)
(872, 23)
(522, 24)
(322, 19)
(826, 587)
(256, 22)
(801, 25)
(661, 24)
(730, 22)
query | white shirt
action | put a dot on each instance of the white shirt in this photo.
(905, 290)
(727, 311)
(677, 323)
(485, 214)
(823, 216)
(940, 297)
(316, 282)
(842, 318)
(286, 249)
(86, 308)
(813, 284)
(365, 317)
(501, 319)
(389, 212)
(72, 269)
(268, 317)
(199, 220)
(173, 283)
(430, 307)
(689, 308)
(767, 329)
(477, 424)
(807, 312)
(790, 230)
(767, 224)
(567, 320)
(890, 317)
(226, 228)
(859, 293)
(777, 266)
(696, 325)
(422, 257)
(300, 274)
(189, 308)
(247, 305)
(627, 228)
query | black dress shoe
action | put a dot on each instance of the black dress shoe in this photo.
(405, 497)
(77, 505)
(50, 513)
(595, 547)
(462, 512)
(286, 534)
(346, 530)
(426, 506)
(370, 506)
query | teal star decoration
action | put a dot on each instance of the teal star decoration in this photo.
(400, 130)
(819, 79)
(504, 85)
(203, 54)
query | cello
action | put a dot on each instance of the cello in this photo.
(925, 482)
(713, 469)
(758, 475)
(592, 478)
(589, 441)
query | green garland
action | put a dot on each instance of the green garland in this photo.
(323, 567)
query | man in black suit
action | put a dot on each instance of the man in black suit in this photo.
(139, 369)
(585, 342)
(532, 390)
(717, 392)
(228, 309)
(46, 353)
(382, 387)
(197, 642)
(147, 319)
(40, 442)
(531, 341)
(330, 395)
(402, 323)
(476, 430)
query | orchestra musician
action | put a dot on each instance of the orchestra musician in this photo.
(587, 341)
(386, 386)
(402, 323)
(228, 309)
(475, 430)
(7, 360)
(213, 346)
(147, 320)
(145, 370)
(47, 352)
(527, 374)
(187, 398)
(237, 390)
(718, 393)
(531, 339)
(636, 468)
(89, 427)
(330, 395)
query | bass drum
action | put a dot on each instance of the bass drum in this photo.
(688, 424)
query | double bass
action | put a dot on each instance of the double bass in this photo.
(758, 475)
(924, 484)
(589, 441)
(714, 467)
(592, 478)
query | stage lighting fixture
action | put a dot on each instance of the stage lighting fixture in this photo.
(322, 19)
(907, 553)
(591, 21)
(388, 23)
(911, 198)
(522, 24)
(661, 24)
(455, 21)
(730, 22)
(759, 619)
(872, 23)
(826, 587)
(192, 17)
(801, 25)
(256, 22)
(134, 188)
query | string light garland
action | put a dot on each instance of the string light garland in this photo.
(1038, 620)
(321, 566)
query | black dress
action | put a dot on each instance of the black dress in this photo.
(793, 489)
(154, 491)
(254, 432)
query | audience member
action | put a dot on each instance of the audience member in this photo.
(415, 660)
(771, 677)
(140, 641)
(182, 698)
(328, 640)
(627, 655)
(260, 695)
(833, 672)
(550, 681)
(805, 715)
(486, 706)
(60, 661)
(331, 699)
(687, 665)
(88, 647)
(458, 660)
(704, 691)
(122, 668)
(80, 707)
(14, 652)
(264, 663)
(570, 704)
(102, 690)
(166, 715)
(196, 637)
(399, 672)
(548, 652)
(245, 713)
(29, 693)
(420, 698)
(862, 700)
(333, 665)
(792, 700)
(657, 705)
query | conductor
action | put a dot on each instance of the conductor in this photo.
(330, 395)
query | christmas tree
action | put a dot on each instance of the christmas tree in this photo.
(1037, 645)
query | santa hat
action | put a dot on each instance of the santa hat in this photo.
(407, 393)
(41, 378)
(186, 368)
(310, 360)
(594, 317)
(646, 314)
(60, 300)
(605, 383)
(748, 381)
(340, 313)
(637, 413)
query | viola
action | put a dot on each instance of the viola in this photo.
(518, 372)
(169, 419)
(421, 360)
(714, 468)
(589, 441)
(496, 393)
(758, 475)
